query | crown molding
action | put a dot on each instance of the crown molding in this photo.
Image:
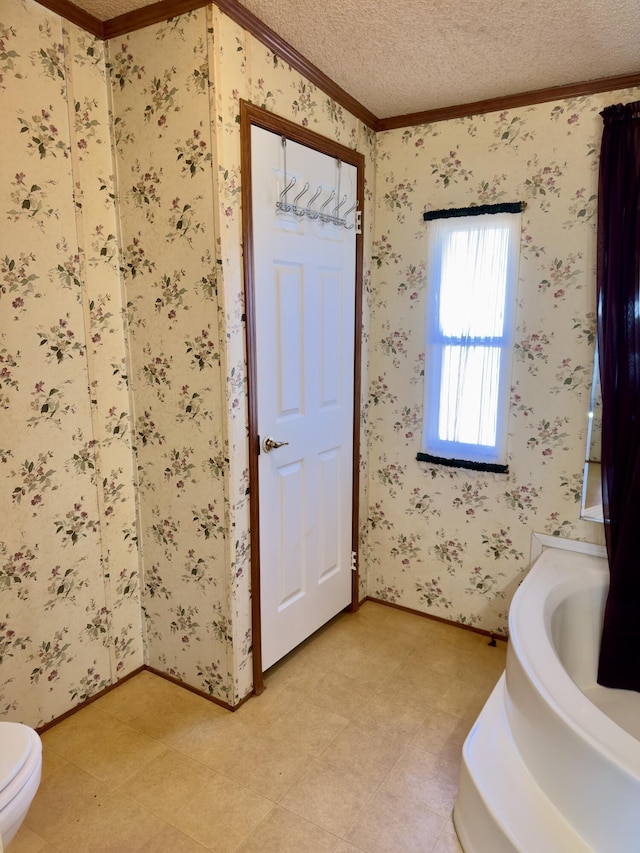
(75, 15)
(165, 9)
(146, 16)
(509, 102)
(296, 60)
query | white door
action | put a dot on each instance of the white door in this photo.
(304, 279)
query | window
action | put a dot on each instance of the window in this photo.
(472, 270)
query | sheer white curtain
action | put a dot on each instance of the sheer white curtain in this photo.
(472, 267)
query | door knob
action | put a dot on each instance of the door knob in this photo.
(269, 443)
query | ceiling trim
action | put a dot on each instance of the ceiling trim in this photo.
(147, 15)
(165, 9)
(75, 15)
(508, 102)
(291, 56)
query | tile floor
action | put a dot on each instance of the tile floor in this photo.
(354, 746)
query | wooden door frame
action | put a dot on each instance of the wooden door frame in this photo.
(251, 115)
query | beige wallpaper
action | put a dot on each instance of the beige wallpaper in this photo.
(122, 364)
(455, 543)
(99, 309)
(70, 619)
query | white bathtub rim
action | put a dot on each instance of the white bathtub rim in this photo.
(486, 800)
(544, 667)
(540, 541)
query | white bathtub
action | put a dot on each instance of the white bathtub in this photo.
(552, 764)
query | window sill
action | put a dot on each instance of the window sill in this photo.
(491, 467)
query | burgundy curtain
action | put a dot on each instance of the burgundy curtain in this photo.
(618, 285)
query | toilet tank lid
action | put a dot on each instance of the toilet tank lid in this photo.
(17, 743)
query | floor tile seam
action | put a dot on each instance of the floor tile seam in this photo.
(44, 840)
(324, 708)
(275, 801)
(430, 777)
(246, 837)
(109, 785)
(379, 650)
(338, 839)
(306, 754)
(213, 770)
(163, 818)
(142, 763)
(258, 729)
(422, 808)
(310, 820)
(48, 844)
(352, 771)
(140, 730)
(415, 702)
(368, 682)
(242, 784)
(79, 814)
(199, 761)
(129, 722)
(435, 755)
(313, 754)
(163, 821)
(422, 804)
(355, 820)
(382, 685)
(57, 753)
(445, 828)
(384, 731)
(40, 835)
(99, 710)
(344, 836)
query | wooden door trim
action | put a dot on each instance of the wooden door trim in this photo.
(251, 115)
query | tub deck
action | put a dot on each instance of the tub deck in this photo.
(552, 764)
(500, 808)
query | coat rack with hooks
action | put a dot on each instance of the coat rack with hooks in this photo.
(323, 213)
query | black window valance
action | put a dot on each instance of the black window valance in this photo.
(478, 210)
(493, 467)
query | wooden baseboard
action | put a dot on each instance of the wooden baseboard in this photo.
(197, 690)
(491, 634)
(89, 701)
(143, 668)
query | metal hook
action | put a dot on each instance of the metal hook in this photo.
(323, 215)
(296, 209)
(313, 214)
(335, 210)
(283, 204)
(347, 212)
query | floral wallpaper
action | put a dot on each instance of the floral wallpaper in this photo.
(244, 68)
(122, 364)
(163, 148)
(70, 619)
(178, 155)
(451, 542)
(123, 418)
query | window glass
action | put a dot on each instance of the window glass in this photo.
(472, 272)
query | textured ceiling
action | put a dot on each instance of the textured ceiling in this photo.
(403, 56)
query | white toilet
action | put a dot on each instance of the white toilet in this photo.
(20, 770)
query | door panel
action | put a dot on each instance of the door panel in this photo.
(289, 285)
(290, 489)
(304, 296)
(331, 337)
